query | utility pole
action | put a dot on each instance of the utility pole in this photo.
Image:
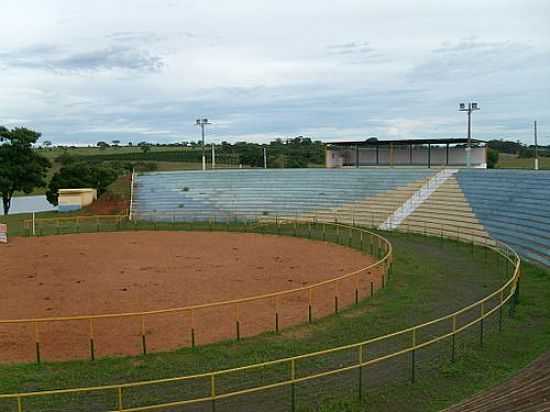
(202, 123)
(213, 156)
(469, 109)
(265, 157)
(536, 148)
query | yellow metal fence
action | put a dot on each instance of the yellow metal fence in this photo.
(252, 380)
(309, 301)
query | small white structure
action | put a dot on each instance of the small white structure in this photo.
(3, 233)
(410, 152)
(74, 199)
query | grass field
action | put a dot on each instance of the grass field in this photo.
(52, 153)
(119, 153)
(430, 278)
(513, 162)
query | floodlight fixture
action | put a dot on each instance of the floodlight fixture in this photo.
(471, 107)
(202, 124)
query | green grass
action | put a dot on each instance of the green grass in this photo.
(92, 151)
(524, 337)
(513, 162)
(431, 278)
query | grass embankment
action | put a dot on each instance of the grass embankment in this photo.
(430, 278)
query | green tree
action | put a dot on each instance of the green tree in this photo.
(21, 168)
(145, 147)
(492, 158)
(76, 175)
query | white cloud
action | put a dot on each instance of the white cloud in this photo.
(87, 71)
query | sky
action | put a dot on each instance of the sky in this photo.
(144, 70)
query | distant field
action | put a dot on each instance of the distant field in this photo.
(133, 154)
(92, 151)
(512, 162)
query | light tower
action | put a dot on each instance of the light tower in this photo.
(536, 147)
(202, 123)
(472, 107)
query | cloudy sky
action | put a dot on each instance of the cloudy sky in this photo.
(83, 71)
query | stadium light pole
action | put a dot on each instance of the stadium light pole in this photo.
(202, 123)
(472, 107)
(536, 147)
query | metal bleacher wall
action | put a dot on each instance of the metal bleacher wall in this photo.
(508, 205)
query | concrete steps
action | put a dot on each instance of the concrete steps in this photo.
(447, 213)
(369, 212)
(528, 391)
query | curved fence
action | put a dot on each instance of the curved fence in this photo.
(248, 316)
(283, 379)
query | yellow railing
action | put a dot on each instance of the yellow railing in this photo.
(373, 242)
(414, 339)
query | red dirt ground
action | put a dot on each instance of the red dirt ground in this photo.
(90, 274)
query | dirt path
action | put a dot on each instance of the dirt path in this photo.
(139, 271)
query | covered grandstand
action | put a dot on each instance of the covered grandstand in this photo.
(408, 152)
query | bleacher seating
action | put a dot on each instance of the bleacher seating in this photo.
(514, 207)
(447, 212)
(510, 206)
(240, 194)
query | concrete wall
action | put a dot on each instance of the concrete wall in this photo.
(74, 199)
(403, 156)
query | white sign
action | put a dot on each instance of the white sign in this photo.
(3, 233)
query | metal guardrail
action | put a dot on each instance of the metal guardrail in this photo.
(452, 324)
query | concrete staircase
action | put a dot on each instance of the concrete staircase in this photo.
(529, 391)
(418, 197)
(369, 212)
(446, 212)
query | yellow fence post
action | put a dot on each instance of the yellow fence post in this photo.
(213, 391)
(336, 293)
(453, 339)
(293, 385)
(481, 323)
(357, 289)
(277, 314)
(237, 321)
(120, 404)
(501, 303)
(413, 357)
(310, 300)
(19, 404)
(92, 344)
(360, 383)
(36, 341)
(143, 339)
(192, 328)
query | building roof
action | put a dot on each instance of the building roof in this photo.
(372, 142)
(83, 190)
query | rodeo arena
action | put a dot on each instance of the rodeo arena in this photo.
(209, 263)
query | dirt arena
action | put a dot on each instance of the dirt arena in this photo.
(91, 274)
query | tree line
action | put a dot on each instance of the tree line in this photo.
(22, 168)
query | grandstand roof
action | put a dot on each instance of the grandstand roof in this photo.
(372, 142)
